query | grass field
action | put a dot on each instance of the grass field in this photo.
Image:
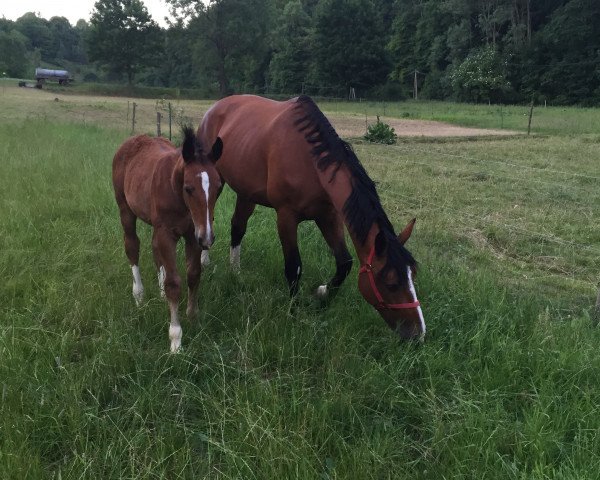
(507, 384)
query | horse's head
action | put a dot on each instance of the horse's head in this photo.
(201, 185)
(389, 288)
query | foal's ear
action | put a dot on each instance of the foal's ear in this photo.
(188, 149)
(217, 150)
(405, 234)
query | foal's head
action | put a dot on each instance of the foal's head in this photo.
(386, 282)
(201, 184)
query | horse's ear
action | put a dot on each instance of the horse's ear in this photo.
(380, 243)
(188, 149)
(217, 150)
(405, 234)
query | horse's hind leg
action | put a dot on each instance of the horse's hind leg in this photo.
(193, 254)
(164, 249)
(287, 226)
(132, 249)
(239, 221)
(331, 225)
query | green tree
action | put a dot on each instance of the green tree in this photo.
(38, 33)
(232, 40)
(13, 53)
(349, 44)
(481, 76)
(290, 62)
(123, 37)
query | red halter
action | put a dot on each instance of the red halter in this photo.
(381, 305)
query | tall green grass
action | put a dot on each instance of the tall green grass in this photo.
(506, 385)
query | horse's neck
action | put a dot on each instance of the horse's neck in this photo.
(339, 189)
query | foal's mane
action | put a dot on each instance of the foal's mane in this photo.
(362, 208)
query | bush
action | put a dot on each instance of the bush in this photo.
(381, 133)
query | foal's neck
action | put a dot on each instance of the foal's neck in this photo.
(177, 178)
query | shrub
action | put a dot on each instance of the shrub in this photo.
(381, 133)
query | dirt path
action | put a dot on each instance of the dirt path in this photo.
(354, 126)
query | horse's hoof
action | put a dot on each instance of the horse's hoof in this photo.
(322, 292)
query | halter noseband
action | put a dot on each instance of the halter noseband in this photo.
(381, 305)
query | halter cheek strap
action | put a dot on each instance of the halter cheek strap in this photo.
(381, 305)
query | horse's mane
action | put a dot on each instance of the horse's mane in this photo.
(362, 208)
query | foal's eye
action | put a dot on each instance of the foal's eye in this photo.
(189, 189)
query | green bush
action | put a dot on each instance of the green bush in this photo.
(381, 133)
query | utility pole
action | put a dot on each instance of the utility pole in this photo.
(415, 87)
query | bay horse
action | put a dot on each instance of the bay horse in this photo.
(287, 156)
(174, 190)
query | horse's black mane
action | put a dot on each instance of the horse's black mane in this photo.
(363, 207)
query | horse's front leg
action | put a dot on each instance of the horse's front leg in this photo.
(164, 245)
(331, 225)
(194, 256)
(287, 227)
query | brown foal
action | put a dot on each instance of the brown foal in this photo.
(175, 191)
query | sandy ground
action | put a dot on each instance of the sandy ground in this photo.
(354, 126)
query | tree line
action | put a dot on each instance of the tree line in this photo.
(468, 50)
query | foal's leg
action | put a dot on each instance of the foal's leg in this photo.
(239, 221)
(193, 254)
(132, 249)
(164, 248)
(331, 225)
(287, 226)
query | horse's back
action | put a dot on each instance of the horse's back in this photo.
(133, 168)
(265, 157)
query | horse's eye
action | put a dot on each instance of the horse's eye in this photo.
(189, 189)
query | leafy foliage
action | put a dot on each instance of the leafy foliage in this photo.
(475, 50)
(480, 76)
(123, 37)
(381, 132)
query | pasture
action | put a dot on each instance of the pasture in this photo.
(506, 384)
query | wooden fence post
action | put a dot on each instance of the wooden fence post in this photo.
(530, 115)
(158, 124)
(133, 118)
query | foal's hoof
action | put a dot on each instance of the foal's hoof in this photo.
(138, 296)
(205, 258)
(175, 334)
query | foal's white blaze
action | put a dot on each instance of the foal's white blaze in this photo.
(234, 258)
(411, 286)
(162, 274)
(138, 288)
(206, 188)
